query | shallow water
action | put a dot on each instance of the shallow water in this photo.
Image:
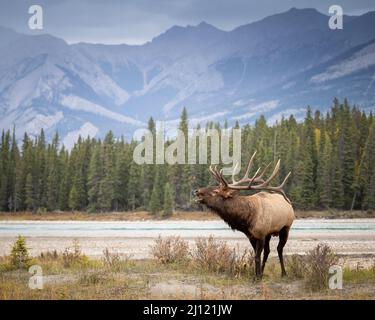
(164, 228)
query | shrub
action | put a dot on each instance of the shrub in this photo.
(318, 262)
(296, 265)
(215, 256)
(19, 254)
(170, 250)
(73, 256)
(112, 260)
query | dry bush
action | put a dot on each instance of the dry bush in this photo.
(296, 265)
(318, 262)
(170, 250)
(213, 255)
(243, 264)
(73, 255)
(112, 260)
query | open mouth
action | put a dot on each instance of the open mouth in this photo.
(198, 200)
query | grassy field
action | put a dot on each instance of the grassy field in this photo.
(211, 271)
(179, 215)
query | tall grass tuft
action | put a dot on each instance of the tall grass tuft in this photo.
(112, 260)
(72, 256)
(296, 265)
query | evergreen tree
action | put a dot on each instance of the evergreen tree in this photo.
(40, 172)
(121, 178)
(181, 172)
(95, 174)
(5, 171)
(308, 165)
(331, 158)
(74, 201)
(54, 174)
(347, 153)
(107, 183)
(325, 173)
(168, 200)
(155, 201)
(337, 188)
(133, 186)
(30, 194)
(367, 171)
(64, 186)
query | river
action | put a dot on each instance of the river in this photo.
(134, 237)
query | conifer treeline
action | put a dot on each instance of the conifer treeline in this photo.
(332, 159)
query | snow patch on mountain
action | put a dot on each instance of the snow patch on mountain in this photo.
(77, 103)
(191, 76)
(361, 60)
(103, 85)
(43, 121)
(86, 130)
(41, 81)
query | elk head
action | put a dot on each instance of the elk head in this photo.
(218, 194)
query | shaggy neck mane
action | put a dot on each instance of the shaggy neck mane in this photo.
(239, 211)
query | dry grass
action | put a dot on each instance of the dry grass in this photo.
(360, 275)
(334, 214)
(73, 257)
(105, 216)
(296, 266)
(70, 276)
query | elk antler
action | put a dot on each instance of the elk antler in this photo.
(245, 178)
(218, 176)
(250, 182)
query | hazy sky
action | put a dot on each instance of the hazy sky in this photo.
(138, 21)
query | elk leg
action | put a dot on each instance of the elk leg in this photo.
(253, 242)
(266, 251)
(258, 252)
(283, 237)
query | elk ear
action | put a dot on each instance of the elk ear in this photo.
(222, 192)
(229, 193)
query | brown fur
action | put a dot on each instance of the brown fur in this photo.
(258, 216)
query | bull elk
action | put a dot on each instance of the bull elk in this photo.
(258, 216)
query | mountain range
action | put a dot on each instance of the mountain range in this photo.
(276, 66)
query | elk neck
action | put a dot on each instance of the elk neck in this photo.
(238, 212)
